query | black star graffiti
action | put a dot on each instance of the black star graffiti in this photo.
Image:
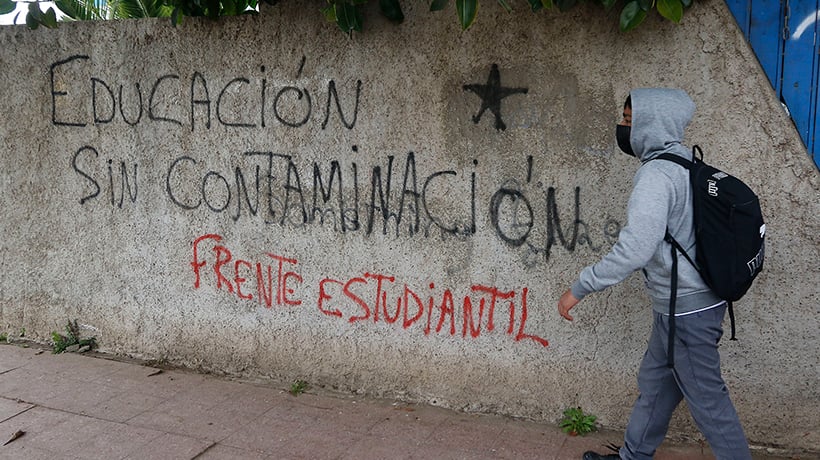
(491, 95)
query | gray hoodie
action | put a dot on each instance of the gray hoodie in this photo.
(661, 198)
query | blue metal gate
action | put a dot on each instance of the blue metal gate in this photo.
(784, 35)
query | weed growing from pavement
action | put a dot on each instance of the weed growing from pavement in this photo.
(576, 422)
(298, 387)
(72, 337)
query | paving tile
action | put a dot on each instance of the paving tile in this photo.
(441, 452)
(9, 408)
(111, 440)
(29, 385)
(315, 444)
(71, 431)
(341, 416)
(170, 447)
(479, 434)
(79, 397)
(194, 418)
(162, 420)
(247, 402)
(75, 366)
(269, 432)
(529, 440)
(14, 356)
(184, 407)
(37, 423)
(15, 451)
(373, 447)
(216, 426)
(211, 390)
(573, 447)
(407, 426)
(300, 410)
(123, 406)
(221, 452)
(35, 420)
(150, 381)
(8, 367)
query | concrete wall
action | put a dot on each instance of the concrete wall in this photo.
(263, 197)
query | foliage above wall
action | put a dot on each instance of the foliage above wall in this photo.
(347, 14)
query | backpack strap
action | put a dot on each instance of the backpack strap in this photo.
(669, 239)
(697, 157)
(675, 159)
(673, 298)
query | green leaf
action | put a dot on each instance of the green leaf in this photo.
(631, 16)
(391, 9)
(565, 5)
(34, 12)
(50, 19)
(80, 9)
(240, 6)
(438, 5)
(608, 3)
(505, 5)
(686, 3)
(32, 22)
(536, 5)
(329, 13)
(7, 6)
(59, 341)
(348, 18)
(176, 17)
(671, 9)
(466, 10)
(228, 8)
(646, 5)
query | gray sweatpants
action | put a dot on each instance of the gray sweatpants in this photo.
(696, 377)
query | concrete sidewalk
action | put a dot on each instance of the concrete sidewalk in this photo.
(72, 406)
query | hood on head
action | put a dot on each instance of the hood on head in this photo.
(659, 118)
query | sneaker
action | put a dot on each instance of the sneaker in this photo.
(590, 455)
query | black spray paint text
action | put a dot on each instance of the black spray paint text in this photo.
(196, 101)
(395, 197)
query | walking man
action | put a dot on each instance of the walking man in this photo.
(653, 123)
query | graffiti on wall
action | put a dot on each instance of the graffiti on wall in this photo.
(392, 195)
(242, 102)
(275, 281)
(491, 94)
(383, 198)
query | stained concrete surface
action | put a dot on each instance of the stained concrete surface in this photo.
(75, 406)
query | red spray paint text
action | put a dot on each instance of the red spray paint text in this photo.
(367, 298)
(238, 269)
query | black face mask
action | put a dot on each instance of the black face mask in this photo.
(622, 134)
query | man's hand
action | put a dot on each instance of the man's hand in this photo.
(565, 304)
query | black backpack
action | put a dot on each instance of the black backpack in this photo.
(729, 235)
